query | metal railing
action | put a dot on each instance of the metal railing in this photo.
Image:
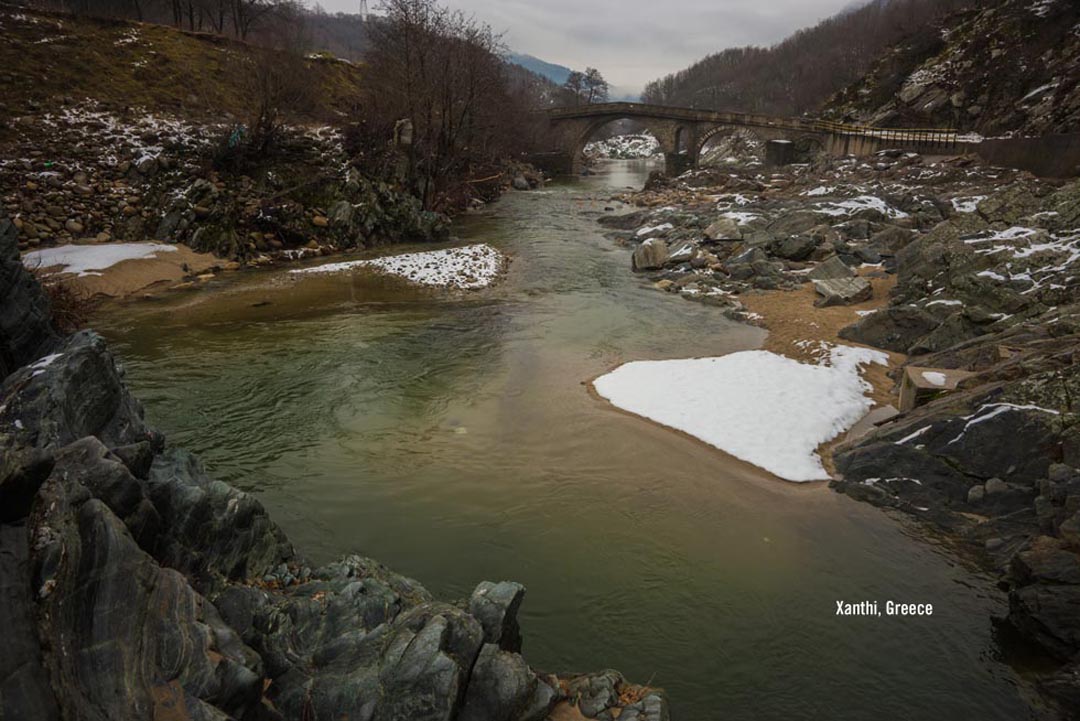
(943, 138)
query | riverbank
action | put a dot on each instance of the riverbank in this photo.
(961, 273)
(97, 179)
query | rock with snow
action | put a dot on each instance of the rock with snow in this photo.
(650, 255)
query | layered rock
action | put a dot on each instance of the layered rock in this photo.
(26, 331)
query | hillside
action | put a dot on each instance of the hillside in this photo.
(1013, 67)
(45, 61)
(555, 73)
(798, 74)
(119, 131)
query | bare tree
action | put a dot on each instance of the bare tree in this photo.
(595, 87)
(575, 85)
(443, 72)
(277, 86)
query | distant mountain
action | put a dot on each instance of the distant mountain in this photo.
(555, 73)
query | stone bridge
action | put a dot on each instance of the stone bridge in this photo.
(683, 132)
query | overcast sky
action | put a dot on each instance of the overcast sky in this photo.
(634, 41)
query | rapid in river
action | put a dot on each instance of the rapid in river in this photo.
(454, 438)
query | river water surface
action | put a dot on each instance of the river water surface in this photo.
(453, 439)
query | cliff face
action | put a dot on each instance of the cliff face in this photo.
(1003, 67)
(26, 332)
(133, 585)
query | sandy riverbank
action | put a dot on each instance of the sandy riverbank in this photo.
(120, 270)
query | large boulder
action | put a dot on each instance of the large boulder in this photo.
(832, 269)
(25, 692)
(797, 247)
(74, 392)
(723, 229)
(496, 605)
(650, 255)
(1009, 205)
(26, 331)
(842, 291)
(114, 613)
(897, 328)
(502, 687)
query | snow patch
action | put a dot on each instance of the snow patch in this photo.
(934, 378)
(470, 267)
(967, 205)
(863, 202)
(83, 260)
(764, 408)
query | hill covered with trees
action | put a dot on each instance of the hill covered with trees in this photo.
(799, 74)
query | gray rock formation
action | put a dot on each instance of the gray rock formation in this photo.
(26, 331)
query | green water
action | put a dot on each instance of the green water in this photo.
(453, 439)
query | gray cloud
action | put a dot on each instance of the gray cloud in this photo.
(634, 41)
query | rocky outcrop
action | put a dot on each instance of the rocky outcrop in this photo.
(26, 331)
(994, 466)
(133, 585)
(90, 175)
(999, 67)
(986, 265)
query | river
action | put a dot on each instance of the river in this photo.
(454, 440)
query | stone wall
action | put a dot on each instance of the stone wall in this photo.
(1051, 156)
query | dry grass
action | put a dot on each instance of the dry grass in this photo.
(69, 306)
(46, 57)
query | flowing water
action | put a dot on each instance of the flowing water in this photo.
(454, 439)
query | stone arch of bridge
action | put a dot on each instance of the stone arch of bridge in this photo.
(669, 134)
(716, 131)
(807, 147)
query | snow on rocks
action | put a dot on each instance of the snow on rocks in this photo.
(84, 260)
(39, 366)
(758, 406)
(863, 202)
(624, 147)
(468, 268)
(968, 205)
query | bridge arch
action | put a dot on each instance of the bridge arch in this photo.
(751, 137)
(667, 134)
(808, 147)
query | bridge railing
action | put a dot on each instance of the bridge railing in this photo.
(942, 138)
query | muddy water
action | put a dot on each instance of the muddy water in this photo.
(453, 439)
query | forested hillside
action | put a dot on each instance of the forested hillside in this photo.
(1012, 67)
(800, 73)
